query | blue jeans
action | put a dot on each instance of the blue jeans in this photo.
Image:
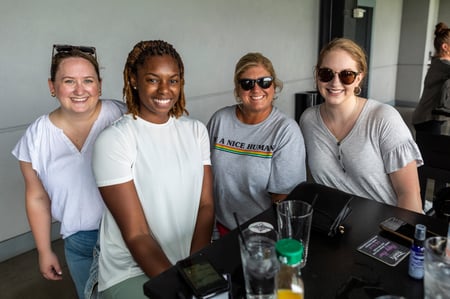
(78, 249)
(91, 289)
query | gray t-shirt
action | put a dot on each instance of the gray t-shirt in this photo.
(379, 143)
(249, 161)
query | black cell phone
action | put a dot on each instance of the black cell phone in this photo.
(402, 228)
(201, 276)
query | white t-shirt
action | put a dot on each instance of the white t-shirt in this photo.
(379, 143)
(166, 162)
(65, 172)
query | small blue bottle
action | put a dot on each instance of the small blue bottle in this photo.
(416, 256)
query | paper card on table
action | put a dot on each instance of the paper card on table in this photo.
(384, 250)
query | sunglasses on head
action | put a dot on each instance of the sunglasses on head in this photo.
(263, 82)
(326, 75)
(69, 48)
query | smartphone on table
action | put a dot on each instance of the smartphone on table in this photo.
(202, 277)
(402, 229)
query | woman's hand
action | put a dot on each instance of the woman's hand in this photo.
(49, 266)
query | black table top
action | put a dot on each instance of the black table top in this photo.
(334, 269)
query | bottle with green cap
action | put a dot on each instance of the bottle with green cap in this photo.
(289, 280)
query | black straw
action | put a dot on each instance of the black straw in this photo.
(240, 231)
(313, 202)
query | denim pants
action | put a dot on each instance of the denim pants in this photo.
(91, 289)
(78, 249)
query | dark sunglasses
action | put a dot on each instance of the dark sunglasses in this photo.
(68, 48)
(346, 77)
(263, 82)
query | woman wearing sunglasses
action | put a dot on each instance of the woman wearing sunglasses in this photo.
(55, 160)
(354, 144)
(257, 152)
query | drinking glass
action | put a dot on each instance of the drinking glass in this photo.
(437, 268)
(259, 261)
(294, 221)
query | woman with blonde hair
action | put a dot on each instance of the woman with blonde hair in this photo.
(257, 152)
(55, 159)
(354, 144)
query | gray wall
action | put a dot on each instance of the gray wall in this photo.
(211, 36)
(419, 18)
(444, 11)
(385, 42)
(414, 48)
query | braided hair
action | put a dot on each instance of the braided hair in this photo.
(140, 52)
(441, 36)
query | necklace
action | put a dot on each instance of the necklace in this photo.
(341, 132)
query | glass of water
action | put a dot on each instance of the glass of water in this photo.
(259, 260)
(437, 269)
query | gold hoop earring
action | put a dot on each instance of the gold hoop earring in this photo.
(357, 91)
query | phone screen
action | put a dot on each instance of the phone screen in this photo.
(202, 274)
(203, 278)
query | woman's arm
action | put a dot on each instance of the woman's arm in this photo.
(406, 185)
(123, 202)
(39, 216)
(205, 216)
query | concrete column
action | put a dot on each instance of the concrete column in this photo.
(417, 28)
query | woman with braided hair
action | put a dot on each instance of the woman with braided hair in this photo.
(155, 179)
